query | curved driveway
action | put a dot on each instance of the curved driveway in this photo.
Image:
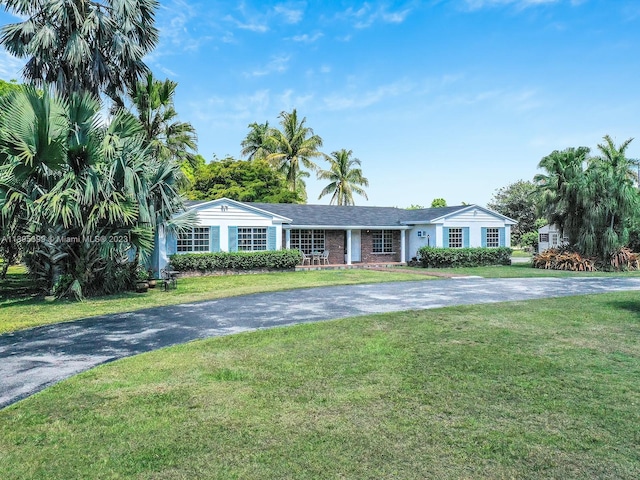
(31, 360)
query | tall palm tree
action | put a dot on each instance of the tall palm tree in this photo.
(294, 146)
(167, 138)
(76, 45)
(346, 179)
(611, 200)
(255, 145)
(562, 187)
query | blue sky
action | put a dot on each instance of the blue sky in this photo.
(451, 99)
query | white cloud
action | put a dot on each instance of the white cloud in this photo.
(10, 66)
(368, 14)
(363, 99)
(277, 64)
(290, 15)
(306, 38)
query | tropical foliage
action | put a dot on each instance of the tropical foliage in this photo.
(245, 181)
(84, 195)
(345, 178)
(291, 148)
(256, 144)
(520, 201)
(168, 138)
(81, 45)
(438, 203)
(594, 200)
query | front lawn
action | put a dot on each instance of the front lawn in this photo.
(522, 270)
(538, 389)
(20, 309)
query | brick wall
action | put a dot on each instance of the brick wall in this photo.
(334, 241)
(367, 249)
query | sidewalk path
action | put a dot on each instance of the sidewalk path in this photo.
(31, 360)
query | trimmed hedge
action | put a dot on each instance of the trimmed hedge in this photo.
(431, 257)
(210, 262)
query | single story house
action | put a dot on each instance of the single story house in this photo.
(550, 236)
(351, 234)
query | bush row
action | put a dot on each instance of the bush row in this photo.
(209, 262)
(431, 257)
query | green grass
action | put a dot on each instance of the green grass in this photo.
(20, 309)
(521, 254)
(536, 390)
(523, 270)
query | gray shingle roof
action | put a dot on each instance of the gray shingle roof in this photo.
(343, 216)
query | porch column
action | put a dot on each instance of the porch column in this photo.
(348, 247)
(403, 240)
(287, 239)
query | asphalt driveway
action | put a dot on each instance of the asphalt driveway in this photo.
(33, 359)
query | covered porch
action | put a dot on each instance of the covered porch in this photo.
(350, 246)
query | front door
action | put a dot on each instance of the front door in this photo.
(355, 246)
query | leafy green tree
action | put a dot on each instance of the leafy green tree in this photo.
(415, 207)
(85, 193)
(245, 181)
(438, 203)
(292, 147)
(561, 188)
(593, 199)
(345, 178)
(610, 201)
(167, 138)
(256, 144)
(520, 201)
(82, 45)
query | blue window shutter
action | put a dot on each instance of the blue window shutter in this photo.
(271, 238)
(233, 239)
(445, 237)
(465, 237)
(483, 237)
(171, 241)
(501, 232)
(214, 238)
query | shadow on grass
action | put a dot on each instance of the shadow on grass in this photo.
(627, 305)
(18, 286)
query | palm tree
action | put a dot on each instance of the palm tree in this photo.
(346, 179)
(562, 186)
(255, 145)
(67, 175)
(167, 138)
(293, 146)
(76, 45)
(610, 200)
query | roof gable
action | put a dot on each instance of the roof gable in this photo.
(226, 202)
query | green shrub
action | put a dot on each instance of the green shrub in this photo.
(430, 257)
(220, 261)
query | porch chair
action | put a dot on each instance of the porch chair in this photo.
(305, 258)
(325, 257)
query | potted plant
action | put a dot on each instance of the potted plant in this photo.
(142, 280)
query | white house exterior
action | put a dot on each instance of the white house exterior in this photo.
(351, 234)
(550, 236)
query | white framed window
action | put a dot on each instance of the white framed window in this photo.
(195, 241)
(493, 238)
(382, 241)
(554, 239)
(251, 239)
(308, 241)
(455, 237)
